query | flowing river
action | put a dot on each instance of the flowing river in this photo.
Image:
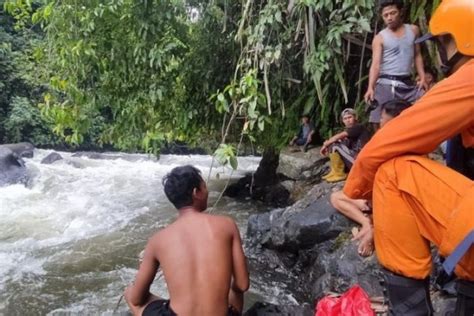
(70, 240)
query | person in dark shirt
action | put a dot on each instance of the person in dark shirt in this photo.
(343, 147)
(305, 134)
(359, 209)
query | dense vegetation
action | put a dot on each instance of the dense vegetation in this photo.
(137, 73)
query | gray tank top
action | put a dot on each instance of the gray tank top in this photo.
(398, 53)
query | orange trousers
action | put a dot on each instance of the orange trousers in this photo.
(418, 201)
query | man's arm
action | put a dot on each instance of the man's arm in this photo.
(240, 274)
(420, 68)
(312, 129)
(377, 47)
(332, 140)
(140, 290)
(446, 110)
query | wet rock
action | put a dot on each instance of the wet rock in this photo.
(264, 185)
(52, 157)
(12, 168)
(311, 243)
(266, 309)
(310, 221)
(23, 150)
(443, 305)
(289, 185)
(337, 266)
(302, 166)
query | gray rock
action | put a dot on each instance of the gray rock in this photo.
(289, 185)
(338, 266)
(310, 221)
(301, 166)
(23, 150)
(265, 309)
(443, 305)
(311, 243)
(12, 168)
(52, 157)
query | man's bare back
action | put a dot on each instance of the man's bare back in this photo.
(202, 261)
(196, 256)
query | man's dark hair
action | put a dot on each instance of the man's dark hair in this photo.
(395, 107)
(180, 183)
(305, 115)
(386, 3)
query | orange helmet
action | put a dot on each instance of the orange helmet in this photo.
(454, 17)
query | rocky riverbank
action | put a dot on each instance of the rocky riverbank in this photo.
(308, 243)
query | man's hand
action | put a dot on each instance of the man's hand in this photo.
(422, 84)
(324, 151)
(369, 95)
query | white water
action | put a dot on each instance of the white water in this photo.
(69, 241)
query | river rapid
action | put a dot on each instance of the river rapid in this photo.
(70, 239)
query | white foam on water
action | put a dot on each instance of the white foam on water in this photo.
(77, 217)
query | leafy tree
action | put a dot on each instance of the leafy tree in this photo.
(20, 118)
(148, 71)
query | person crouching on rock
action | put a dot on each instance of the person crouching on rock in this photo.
(200, 254)
(305, 135)
(358, 209)
(343, 147)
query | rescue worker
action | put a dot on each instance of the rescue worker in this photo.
(417, 201)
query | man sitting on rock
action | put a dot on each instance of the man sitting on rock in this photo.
(358, 209)
(344, 147)
(200, 254)
(305, 134)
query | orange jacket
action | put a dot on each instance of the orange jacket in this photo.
(446, 110)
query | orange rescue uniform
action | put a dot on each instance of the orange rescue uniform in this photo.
(417, 201)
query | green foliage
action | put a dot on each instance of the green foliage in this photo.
(138, 73)
(116, 60)
(20, 119)
(226, 154)
(24, 123)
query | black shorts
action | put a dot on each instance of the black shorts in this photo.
(158, 308)
(163, 308)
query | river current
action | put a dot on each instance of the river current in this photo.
(70, 239)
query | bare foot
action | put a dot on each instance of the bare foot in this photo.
(366, 241)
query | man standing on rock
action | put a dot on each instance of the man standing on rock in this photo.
(417, 201)
(201, 257)
(393, 53)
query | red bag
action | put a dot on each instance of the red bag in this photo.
(355, 302)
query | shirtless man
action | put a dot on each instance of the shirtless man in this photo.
(200, 254)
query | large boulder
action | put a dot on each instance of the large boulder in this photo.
(302, 166)
(23, 150)
(309, 221)
(12, 167)
(310, 243)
